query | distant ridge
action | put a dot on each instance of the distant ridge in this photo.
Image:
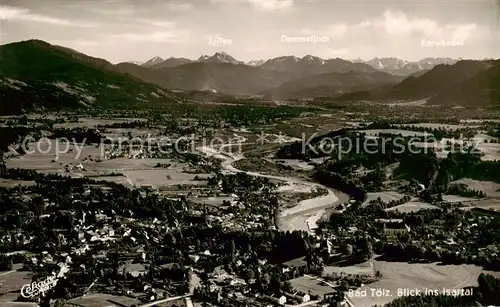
(399, 67)
(465, 83)
(36, 74)
(219, 57)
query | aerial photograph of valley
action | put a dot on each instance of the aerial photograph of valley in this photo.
(237, 153)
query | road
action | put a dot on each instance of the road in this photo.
(175, 298)
(301, 217)
(7, 273)
(310, 303)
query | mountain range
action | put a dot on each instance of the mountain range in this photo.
(37, 74)
(223, 73)
(263, 77)
(400, 67)
(331, 84)
(393, 66)
(467, 83)
(441, 80)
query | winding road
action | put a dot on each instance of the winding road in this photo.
(305, 215)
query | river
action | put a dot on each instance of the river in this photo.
(303, 216)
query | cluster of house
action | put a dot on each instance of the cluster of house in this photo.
(96, 234)
(226, 286)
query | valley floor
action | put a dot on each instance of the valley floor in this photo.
(307, 213)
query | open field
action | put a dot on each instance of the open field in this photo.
(398, 275)
(136, 172)
(421, 102)
(439, 145)
(9, 183)
(123, 133)
(213, 201)
(386, 196)
(13, 281)
(374, 132)
(491, 189)
(296, 164)
(116, 179)
(488, 204)
(361, 268)
(308, 284)
(264, 166)
(459, 199)
(413, 206)
(491, 151)
(92, 122)
(481, 137)
(441, 126)
(308, 125)
(101, 299)
(40, 155)
(161, 178)
(479, 121)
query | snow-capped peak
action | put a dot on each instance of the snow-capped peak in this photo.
(255, 62)
(387, 63)
(223, 56)
(154, 61)
(313, 59)
(218, 57)
(286, 58)
(139, 63)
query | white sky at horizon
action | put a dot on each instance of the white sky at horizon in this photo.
(131, 30)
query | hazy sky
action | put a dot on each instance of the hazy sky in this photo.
(123, 30)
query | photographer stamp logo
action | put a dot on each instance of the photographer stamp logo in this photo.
(39, 288)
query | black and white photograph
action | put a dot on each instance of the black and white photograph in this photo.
(249, 153)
